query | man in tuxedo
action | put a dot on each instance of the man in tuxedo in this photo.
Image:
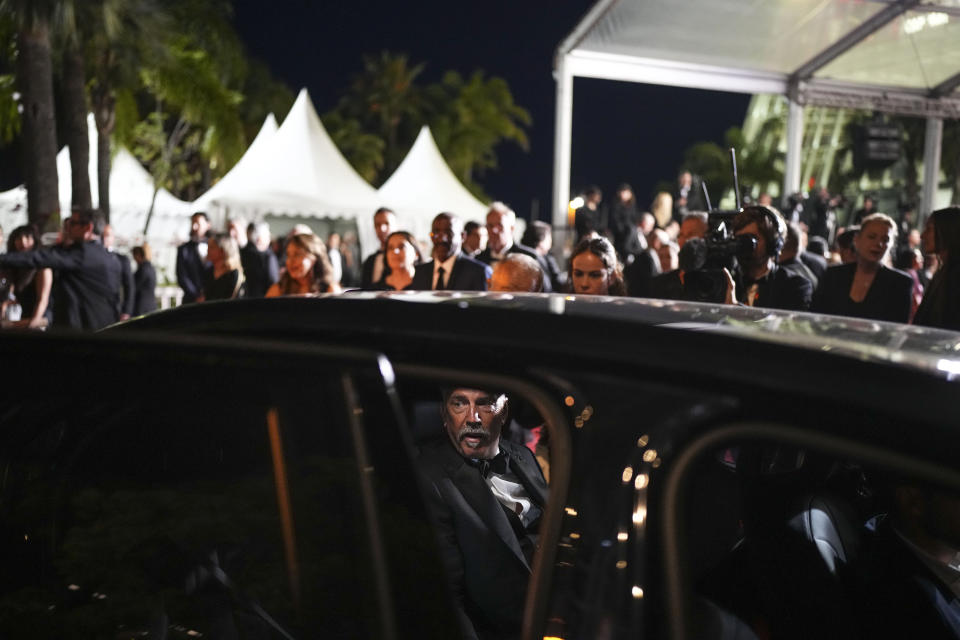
(191, 256)
(501, 224)
(450, 269)
(384, 223)
(486, 496)
(86, 288)
(474, 238)
(127, 291)
(260, 266)
(908, 572)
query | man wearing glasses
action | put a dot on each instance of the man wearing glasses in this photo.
(450, 269)
(486, 496)
(87, 282)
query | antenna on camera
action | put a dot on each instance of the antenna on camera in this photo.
(736, 180)
(706, 195)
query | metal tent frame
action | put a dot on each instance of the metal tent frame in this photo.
(599, 48)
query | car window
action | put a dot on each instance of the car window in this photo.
(166, 494)
(788, 537)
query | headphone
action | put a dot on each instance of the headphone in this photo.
(777, 226)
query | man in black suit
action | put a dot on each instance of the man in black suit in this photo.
(790, 255)
(450, 269)
(908, 572)
(191, 256)
(384, 223)
(501, 224)
(87, 284)
(127, 289)
(486, 496)
(260, 267)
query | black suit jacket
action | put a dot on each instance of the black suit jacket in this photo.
(366, 270)
(260, 270)
(487, 567)
(486, 257)
(190, 271)
(127, 287)
(145, 284)
(889, 298)
(86, 284)
(816, 264)
(467, 275)
(900, 597)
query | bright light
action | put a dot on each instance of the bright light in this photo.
(571, 511)
(621, 564)
(636, 592)
(627, 474)
(641, 481)
(576, 203)
(921, 22)
(639, 515)
(623, 536)
(949, 366)
(649, 455)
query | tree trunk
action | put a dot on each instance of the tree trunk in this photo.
(105, 115)
(77, 137)
(39, 127)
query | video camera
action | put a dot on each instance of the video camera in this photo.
(703, 260)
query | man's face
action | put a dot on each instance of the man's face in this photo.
(446, 238)
(107, 237)
(474, 420)
(760, 251)
(476, 240)
(198, 227)
(685, 179)
(500, 230)
(77, 229)
(691, 228)
(384, 223)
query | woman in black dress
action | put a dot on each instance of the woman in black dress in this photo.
(941, 299)
(144, 282)
(866, 288)
(402, 255)
(225, 280)
(31, 287)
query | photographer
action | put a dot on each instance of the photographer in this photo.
(758, 281)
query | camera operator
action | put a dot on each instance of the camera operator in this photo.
(759, 281)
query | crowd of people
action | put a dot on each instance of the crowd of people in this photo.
(875, 269)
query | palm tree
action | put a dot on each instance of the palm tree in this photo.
(75, 105)
(35, 79)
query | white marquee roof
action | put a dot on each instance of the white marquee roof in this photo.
(423, 186)
(896, 55)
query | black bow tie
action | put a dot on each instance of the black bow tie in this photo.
(497, 464)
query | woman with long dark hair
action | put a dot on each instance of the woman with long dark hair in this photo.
(31, 287)
(941, 299)
(595, 270)
(308, 269)
(402, 255)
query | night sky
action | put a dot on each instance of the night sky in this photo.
(621, 132)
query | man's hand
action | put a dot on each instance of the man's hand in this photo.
(731, 297)
(124, 316)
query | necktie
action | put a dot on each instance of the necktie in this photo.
(441, 281)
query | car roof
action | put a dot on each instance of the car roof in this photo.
(933, 351)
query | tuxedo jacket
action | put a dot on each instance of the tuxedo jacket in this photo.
(486, 564)
(190, 270)
(145, 285)
(900, 597)
(126, 284)
(486, 257)
(467, 275)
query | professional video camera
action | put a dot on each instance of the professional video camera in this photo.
(703, 260)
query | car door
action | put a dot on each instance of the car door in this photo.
(181, 488)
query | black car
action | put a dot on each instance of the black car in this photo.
(248, 469)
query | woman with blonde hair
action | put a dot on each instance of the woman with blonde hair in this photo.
(866, 288)
(662, 209)
(308, 269)
(225, 280)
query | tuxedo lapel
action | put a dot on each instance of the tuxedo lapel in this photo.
(531, 478)
(455, 273)
(478, 495)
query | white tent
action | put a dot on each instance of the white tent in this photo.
(423, 186)
(300, 172)
(898, 56)
(242, 172)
